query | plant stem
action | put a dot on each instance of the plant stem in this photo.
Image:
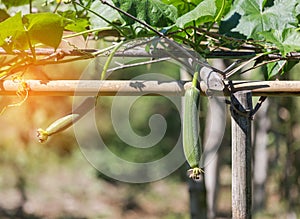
(195, 79)
(87, 31)
(103, 18)
(57, 6)
(30, 6)
(32, 49)
(110, 57)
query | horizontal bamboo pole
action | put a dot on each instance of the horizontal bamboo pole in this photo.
(139, 87)
(94, 87)
(160, 53)
(267, 88)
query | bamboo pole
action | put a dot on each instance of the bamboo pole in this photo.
(94, 87)
(140, 87)
(158, 54)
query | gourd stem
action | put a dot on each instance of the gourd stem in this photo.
(195, 79)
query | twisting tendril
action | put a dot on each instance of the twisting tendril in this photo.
(22, 92)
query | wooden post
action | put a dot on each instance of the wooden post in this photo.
(241, 154)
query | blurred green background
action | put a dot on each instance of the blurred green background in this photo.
(54, 180)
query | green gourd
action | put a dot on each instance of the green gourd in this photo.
(57, 126)
(66, 121)
(191, 140)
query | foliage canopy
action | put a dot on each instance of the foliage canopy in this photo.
(205, 25)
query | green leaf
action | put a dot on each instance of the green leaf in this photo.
(235, 9)
(17, 32)
(75, 24)
(46, 28)
(297, 10)
(205, 12)
(223, 7)
(107, 12)
(153, 12)
(275, 68)
(183, 6)
(257, 17)
(280, 67)
(12, 34)
(286, 41)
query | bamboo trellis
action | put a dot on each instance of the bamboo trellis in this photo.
(140, 87)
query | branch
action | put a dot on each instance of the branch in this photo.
(123, 66)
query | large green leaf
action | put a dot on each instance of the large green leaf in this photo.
(257, 17)
(13, 34)
(286, 41)
(153, 12)
(205, 11)
(46, 28)
(17, 32)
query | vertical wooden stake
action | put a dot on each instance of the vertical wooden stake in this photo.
(241, 155)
